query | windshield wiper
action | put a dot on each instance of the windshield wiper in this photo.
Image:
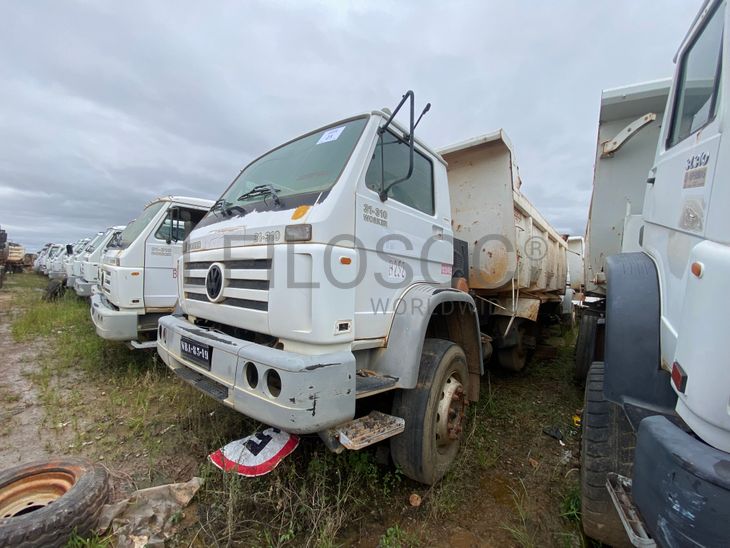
(262, 190)
(227, 208)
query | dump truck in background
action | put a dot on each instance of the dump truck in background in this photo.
(655, 457)
(518, 263)
(139, 271)
(332, 270)
(629, 125)
(14, 259)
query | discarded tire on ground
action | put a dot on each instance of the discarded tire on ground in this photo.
(608, 445)
(43, 503)
(434, 412)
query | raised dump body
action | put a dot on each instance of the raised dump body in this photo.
(628, 132)
(512, 247)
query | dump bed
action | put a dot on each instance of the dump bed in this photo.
(508, 239)
(628, 133)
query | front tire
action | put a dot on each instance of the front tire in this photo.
(434, 412)
(607, 446)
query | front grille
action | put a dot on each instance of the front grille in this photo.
(247, 282)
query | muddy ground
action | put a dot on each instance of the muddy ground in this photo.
(64, 392)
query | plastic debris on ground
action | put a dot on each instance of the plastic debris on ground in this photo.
(257, 454)
(149, 517)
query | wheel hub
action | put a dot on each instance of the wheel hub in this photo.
(33, 493)
(450, 412)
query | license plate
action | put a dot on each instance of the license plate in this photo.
(196, 352)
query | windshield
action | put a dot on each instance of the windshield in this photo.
(309, 165)
(96, 241)
(134, 229)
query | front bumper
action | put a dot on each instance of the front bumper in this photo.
(110, 323)
(316, 392)
(681, 486)
(83, 288)
(71, 281)
(54, 275)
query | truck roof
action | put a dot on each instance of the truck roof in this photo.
(634, 100)
(187, 200)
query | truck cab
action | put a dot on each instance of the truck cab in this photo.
(139, 270)
(53, 250)
(89, 262)
(657, 426)
(328, 273)
(72, 262)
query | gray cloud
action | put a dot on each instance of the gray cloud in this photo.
(104, 106)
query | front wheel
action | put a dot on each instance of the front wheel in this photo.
(434, 412)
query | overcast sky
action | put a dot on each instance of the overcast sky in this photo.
(104, 106)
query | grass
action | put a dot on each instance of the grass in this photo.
(124, 408)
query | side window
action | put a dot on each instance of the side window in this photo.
(178, 223)
(390, 162)
(697, 94)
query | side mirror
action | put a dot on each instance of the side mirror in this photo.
(410, 139)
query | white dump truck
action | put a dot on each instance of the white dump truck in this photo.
(656, 425)
(139, 271)
(331, 270)
(90, 262)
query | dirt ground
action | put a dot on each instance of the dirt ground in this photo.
(24, 438)
(513, 486)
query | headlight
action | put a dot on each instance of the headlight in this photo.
(298, 233)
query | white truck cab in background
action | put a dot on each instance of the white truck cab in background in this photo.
(332, 270)
(90, 260)
(72, 263)
(656, 426)
(139, 270)
(57, 268)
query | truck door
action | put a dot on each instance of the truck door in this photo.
(410, 227)
(162, 249)
(681, 181)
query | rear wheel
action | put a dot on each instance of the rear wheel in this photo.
(513, 357)
(434, 412)
(607, 446)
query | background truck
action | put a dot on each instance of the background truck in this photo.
(15, 256)
(329, 273)
(90, 261)
(656, 424)
(629, 124)
(72, 262)
(3, 254)
(139, 270)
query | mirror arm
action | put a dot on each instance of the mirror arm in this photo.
(383, 194)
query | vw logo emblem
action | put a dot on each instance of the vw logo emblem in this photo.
(214, 283)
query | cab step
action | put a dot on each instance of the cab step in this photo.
(619, 487)
(368, 383)
(370, 429)
(142, 345)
